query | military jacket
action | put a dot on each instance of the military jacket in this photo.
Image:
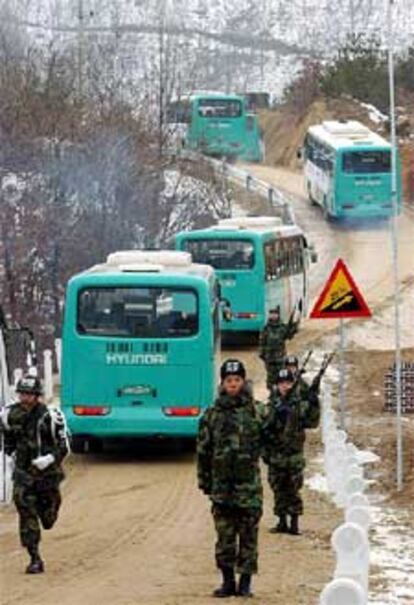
(272, 344)
(228, 452)
(285, 425)
(33, 433)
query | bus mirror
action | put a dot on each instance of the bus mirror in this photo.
(299, 153)
(227, 314)
(313, 254)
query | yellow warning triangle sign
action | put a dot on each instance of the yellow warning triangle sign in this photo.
(340, 297)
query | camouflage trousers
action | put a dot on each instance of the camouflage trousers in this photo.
(286, 483)
(272, 370)
(237, 534)
(36, 504)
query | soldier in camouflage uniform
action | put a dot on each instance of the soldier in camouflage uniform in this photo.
(36, 437)
(291, 363)
(272, 343)
(228, 452)
(289, 415)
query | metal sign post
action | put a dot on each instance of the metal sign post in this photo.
(394, 242)
(342, 373)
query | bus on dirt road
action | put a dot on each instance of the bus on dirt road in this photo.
(217, 125)
(260, 263)
(348, 170)
(140, 347)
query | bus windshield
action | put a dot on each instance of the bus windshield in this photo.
(138, 312)
(221, 253)
(361, 162)
(219, 108)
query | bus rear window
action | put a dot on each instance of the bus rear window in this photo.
(221, 253)
(362, 162)
(138, 312)
(219, 108)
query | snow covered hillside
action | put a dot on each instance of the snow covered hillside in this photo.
(233, 44)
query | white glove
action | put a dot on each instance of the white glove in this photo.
(42, 462)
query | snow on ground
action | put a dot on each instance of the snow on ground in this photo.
(392, 551)
(381, 335)
(375, 115)
(391, 537)
(392, 546)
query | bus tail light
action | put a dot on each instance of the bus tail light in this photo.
(181, 412)
(88, 410)
(245, 315)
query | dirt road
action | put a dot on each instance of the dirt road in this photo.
(364, 246)
(135, 530)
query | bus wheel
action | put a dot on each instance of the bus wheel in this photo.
(188, 445)
(86, 445)
(78, 445)
(327, 215)
(312, 201)
(94, 445)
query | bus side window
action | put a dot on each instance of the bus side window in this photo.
(297, 253)
(281, 259)
(269, 263)
(291, 257)
(250, 123)
(309, 149)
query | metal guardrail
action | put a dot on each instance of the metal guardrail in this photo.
(276, 199)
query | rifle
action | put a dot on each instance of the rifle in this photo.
(305, 362)
(316, 382)
(291, 316)
(301, 370)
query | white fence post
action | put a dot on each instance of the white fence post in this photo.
(350, 543)
(345, 478)
(5, 397)
(343, 591)
(58, 351)
(17, 375)
(48, 375)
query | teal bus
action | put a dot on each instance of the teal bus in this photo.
(140, 347)
(217, 125)
(348, 171)
(259, 262)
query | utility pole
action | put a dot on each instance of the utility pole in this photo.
(80, 47)
(394, 241)
(352, 15)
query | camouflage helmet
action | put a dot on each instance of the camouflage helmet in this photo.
(29, 384)
(232, 367)
(291, 360)
(284, 376)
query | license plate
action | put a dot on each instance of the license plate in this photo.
(138, 389)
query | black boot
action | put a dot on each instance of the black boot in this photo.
(281, 527)
(228, 588)
(36, 563)
(294, 526)
(244, 589)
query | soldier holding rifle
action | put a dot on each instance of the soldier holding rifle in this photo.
(290, 414)
(272, 343)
